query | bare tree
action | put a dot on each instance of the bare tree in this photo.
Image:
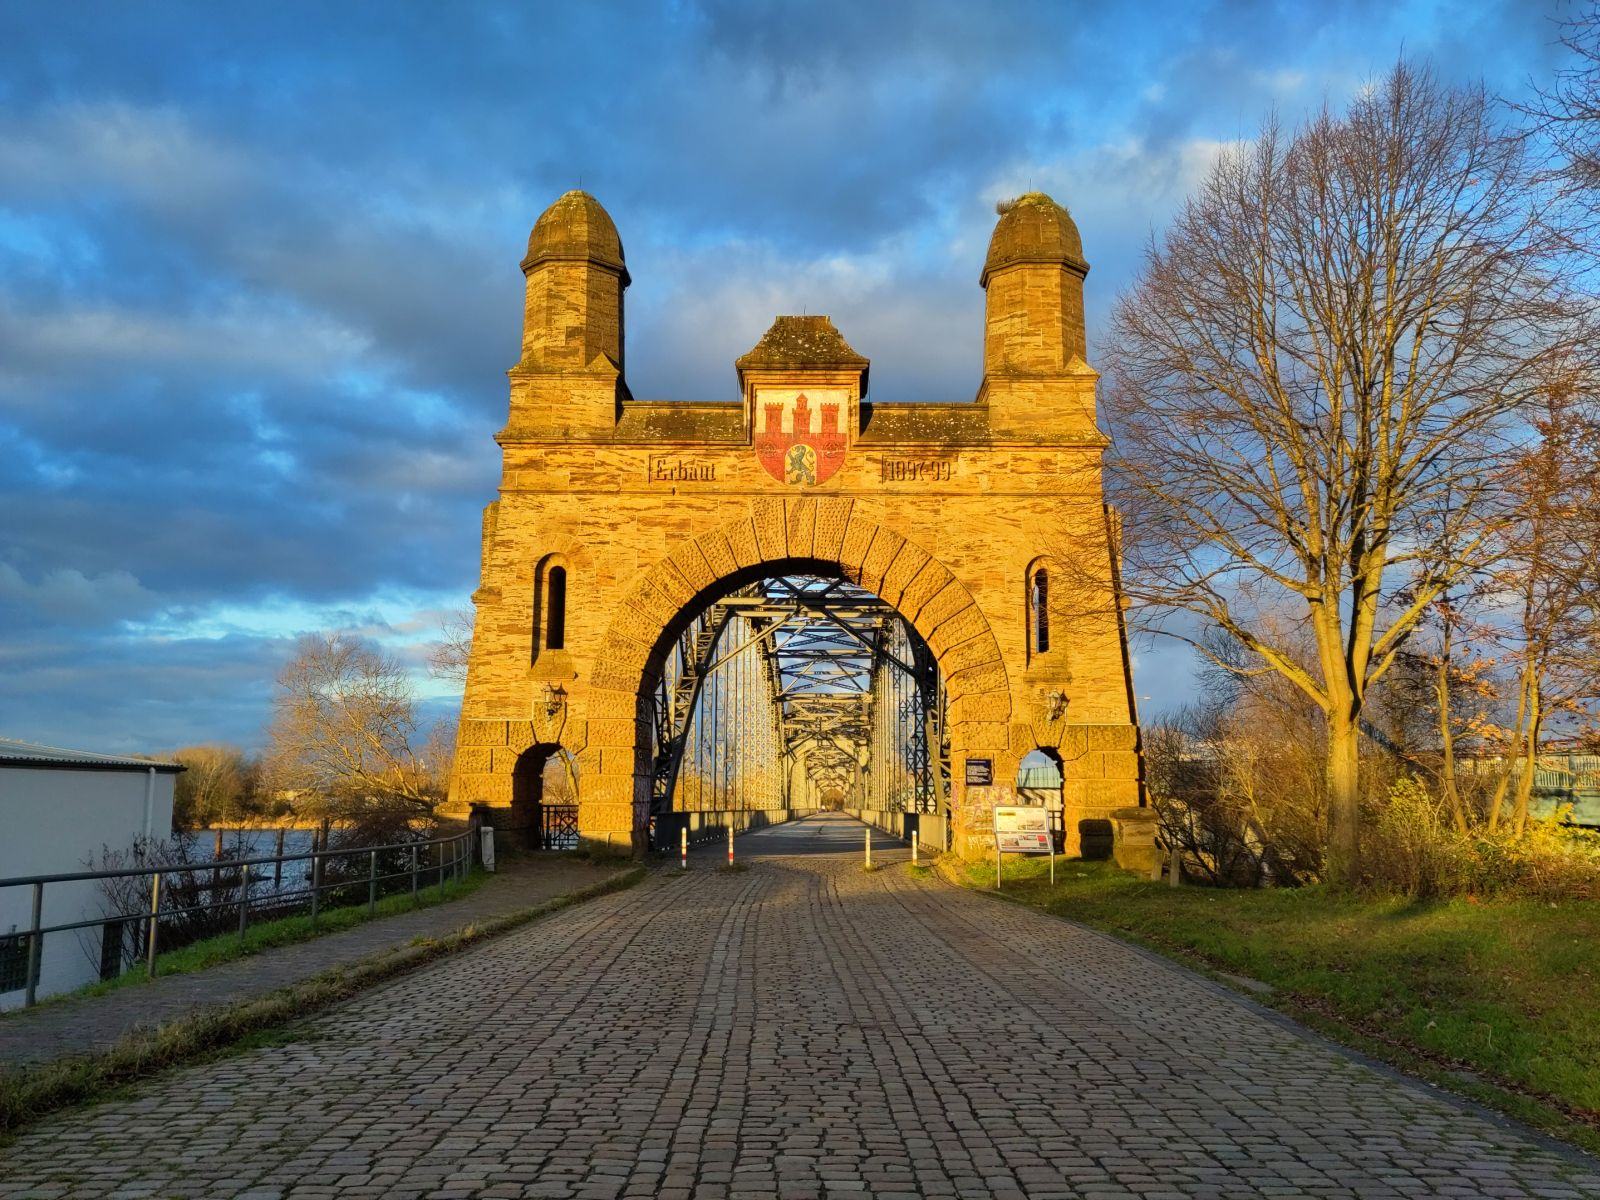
(1547, 571)
(1314, 364)
(344, 732)
(219, 784)
(448, 657)
(1565, 115)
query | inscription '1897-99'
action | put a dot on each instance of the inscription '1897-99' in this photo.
(912, 470)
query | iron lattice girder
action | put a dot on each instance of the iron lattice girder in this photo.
(822, 644)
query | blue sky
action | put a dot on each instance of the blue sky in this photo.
(259, 285)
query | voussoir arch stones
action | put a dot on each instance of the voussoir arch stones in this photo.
(775, 535)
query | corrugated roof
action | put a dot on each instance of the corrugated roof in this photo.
(15, 753)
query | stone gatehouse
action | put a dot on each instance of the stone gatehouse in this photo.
(982, 523)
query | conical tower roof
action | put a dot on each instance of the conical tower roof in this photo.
(1033, 228)
(576, 227)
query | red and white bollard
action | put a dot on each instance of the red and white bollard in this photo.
(869, 847)
(730, 845)
(683, 848)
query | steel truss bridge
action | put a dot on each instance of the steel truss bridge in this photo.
(799, 691)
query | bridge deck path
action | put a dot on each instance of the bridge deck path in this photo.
(799, 1029)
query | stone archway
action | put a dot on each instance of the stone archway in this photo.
(777, 536)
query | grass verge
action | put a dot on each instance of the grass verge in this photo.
(33, 1092)
(1493, 1000)
(285, 931)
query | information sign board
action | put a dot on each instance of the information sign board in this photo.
(1022, 829)
(980, 772)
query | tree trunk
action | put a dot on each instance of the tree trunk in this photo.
(1498, 802)
(1530, 756)
(1344, 798)
(1447, 737)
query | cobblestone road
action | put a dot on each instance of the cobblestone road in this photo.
(802, 1029)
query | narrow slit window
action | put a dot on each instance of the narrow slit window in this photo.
(1041, 611)
(555, 629)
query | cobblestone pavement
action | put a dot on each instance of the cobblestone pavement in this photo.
(801, 1029)
(82, 1024)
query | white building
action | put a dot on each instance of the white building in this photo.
(59, 810)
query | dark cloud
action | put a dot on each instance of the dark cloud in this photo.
(258, 265)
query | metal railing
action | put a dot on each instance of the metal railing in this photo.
(451, 859)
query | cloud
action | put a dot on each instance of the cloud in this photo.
(259, 285)
(69, 597)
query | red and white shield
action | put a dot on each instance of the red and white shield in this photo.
(798, 440)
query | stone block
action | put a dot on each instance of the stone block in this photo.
(980, 706)
(772, 528)
(719, 558)
(1119, 764)
(481, 733)
(857, 541)
(833, 515)
(879, 558)
(950, 601)
(472, 760)
(907, 563)
(742, 542)
(614, 732)
(973, 652)
(802, 520)
(928, 582)
(964, 626)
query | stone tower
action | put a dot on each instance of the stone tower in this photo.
(1033, 331)
(571, 372)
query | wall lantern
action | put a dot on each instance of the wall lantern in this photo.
(555, 697)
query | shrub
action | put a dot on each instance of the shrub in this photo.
(1413, 849)
(1551, 861)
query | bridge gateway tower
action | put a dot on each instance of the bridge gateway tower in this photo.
(621, 524)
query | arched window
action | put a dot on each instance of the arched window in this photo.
(1039, 609)
(555, 626)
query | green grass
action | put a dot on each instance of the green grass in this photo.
(1495, 999)
(198, 956)
(32, 1092)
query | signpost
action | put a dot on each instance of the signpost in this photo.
(1022, 829)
